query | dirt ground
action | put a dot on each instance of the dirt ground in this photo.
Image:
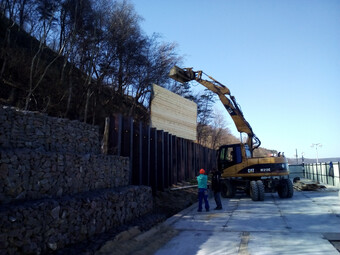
(136, 241)
(143, 235)
(139, 243)
(171, 202)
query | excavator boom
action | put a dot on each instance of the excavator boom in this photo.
(229, 101)
(240, 169)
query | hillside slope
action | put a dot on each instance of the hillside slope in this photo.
(63, 90)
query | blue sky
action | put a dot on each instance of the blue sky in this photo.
(280, 59)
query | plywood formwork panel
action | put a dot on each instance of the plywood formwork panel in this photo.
(173, 113)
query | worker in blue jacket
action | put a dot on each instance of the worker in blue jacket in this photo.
(202, 180)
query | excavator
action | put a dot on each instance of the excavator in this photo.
(240, 169)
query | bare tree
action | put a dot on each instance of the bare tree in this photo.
(23, 9)
(156, 61)
(123, 42)
(204, 103)
(46, 11)
(218, 129)
(99, 40)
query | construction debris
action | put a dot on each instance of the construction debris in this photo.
(307, 185)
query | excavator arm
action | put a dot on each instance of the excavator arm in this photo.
(229, 101)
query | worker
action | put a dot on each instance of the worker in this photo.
(216, 187)
(202, 180)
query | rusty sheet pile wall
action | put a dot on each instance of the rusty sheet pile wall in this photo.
(157, 158)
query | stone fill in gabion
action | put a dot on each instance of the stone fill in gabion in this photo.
(56, 188)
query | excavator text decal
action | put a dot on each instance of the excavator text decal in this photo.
(230, 110)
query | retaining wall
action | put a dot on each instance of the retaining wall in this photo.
(33, 130)
(55, 186)
(32, 174)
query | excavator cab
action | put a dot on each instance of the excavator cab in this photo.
(228, 155)
(232, 154)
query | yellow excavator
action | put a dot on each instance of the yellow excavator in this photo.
(240, 169)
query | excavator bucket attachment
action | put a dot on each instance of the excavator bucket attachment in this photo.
(181, 75)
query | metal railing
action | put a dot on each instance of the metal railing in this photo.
(326, 173)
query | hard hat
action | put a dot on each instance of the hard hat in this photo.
(202, 171)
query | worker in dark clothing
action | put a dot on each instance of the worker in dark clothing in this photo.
(216, 187)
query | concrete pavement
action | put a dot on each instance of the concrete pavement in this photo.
(300, 225)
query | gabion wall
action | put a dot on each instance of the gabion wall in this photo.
(32, 174)
(55, 186)
(33, 130)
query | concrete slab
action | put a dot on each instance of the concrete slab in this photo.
(259, 222)
(300, 225)
(289, 243)
(202, 243)
(203, 221)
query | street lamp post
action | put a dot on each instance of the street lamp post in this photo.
(316, 145)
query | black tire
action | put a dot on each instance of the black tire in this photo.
(254, 191)
(227, 189)
(290, 188)
(283, 189)
(260, 187)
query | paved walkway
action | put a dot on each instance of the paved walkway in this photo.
(300, 225)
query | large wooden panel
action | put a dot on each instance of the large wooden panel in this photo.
(173, 113)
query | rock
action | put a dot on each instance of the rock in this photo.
(22, 195)
(12, 219)
(60, 192)
(3, 170)
(52, 246)
(55, 212)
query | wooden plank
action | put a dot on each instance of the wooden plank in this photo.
(173, 113)
(105, 140)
